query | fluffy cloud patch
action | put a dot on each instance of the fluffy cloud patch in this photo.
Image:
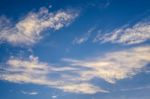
(29, 30)
(138, 33)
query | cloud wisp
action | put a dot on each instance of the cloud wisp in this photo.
(77, 75)
(33, 71)
(29, 92)
(136, 34)
(84, 38)
(29, 30)
(114, 66)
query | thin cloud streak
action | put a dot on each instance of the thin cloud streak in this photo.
(84, 38)
(29, 92)
(129, 35)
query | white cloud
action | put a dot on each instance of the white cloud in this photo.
(82, 88)
(138, 33)
(135, 89)
(84, 38)
(115, 65)
(33, 71)
(29, 30)
(25, 71)
(76, 75)
(54, 97)
(29, 92)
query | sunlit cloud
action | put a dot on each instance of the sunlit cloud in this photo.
(136, 34)
(76, 75)
(82, 88)
(33, 71)
(31, 27)
(114, 66)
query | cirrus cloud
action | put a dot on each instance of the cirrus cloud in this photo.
(136, 34)
(29, 30)
(76, 75)
(33, 71)
(114, 66)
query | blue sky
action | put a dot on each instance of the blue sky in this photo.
(74, 49)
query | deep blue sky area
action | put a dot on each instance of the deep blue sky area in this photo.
(74, 49)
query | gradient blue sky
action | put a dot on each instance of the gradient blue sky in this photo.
(74, 49)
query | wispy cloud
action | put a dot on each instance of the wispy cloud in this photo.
(33, 71)
(86, 88)
(29, 30)
(98, 4)
(29, 92)
(135, 89)
(77, 75)
(114, 66)
(138, 33)
(84, 38)
(54, 97)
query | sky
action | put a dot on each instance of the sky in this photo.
(74, 49)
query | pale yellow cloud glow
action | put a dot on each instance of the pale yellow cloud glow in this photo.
(30, 29)
(77, 75)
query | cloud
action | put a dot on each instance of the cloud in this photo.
(29, 30)
(82, 88)
(29, 92)
(76, 75)
(33, 71)
(25, 71)
(84, 38)
(138, 33)
(98, 4)
(135, 89)
(54, 97)
(114, 66)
